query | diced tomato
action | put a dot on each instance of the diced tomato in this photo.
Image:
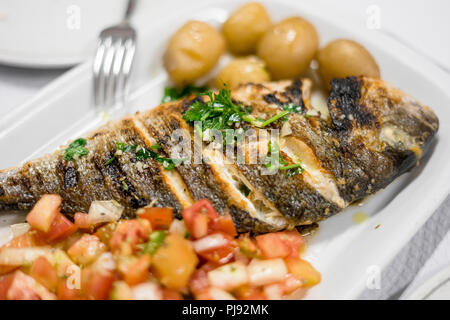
(303, 270)
(104, 233)
(160, 218)
(198, 218)
(225, 224)
(26, 240)
(42, 271)
(128, 234)
(280, 244)
(217, 247)
(60, 229)
(202, 219)
(64, 293)
(5, 284)
(199, 279)
(295, 241)
(43, 212)
(87, 249)
(136, 270)
(171, 294)
(82, 220)
(97, 284)
(24, 287)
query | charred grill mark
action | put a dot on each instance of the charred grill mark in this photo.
(345, 107)
(294, 198)
(294, 93)
(272, 99)
(199, 178)
(146, 184)
(188, 102)
(70, 178)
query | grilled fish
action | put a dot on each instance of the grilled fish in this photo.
(372, 134)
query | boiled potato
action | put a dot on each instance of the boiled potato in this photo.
(192, 52)
(288, 47)
(344, 58)
(244, 28)
(242, 70)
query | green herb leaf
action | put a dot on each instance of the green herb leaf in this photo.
(244, 190)
(76, 148)
(155, 241)
(292, 108)
(173, 94)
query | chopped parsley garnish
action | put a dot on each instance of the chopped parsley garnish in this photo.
(156, 146)
(173, 94)
(244, 190)
(168, 163)
(279, 163)
(221, 113)
(120, 146)
(76, 149)
(292, 108)
(144, 154)
(155, 241)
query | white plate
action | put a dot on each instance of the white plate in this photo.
(347, 254)
(435, 288)
(53, 33)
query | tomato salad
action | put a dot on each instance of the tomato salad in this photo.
(154, 256)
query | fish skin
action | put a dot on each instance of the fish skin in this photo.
(199, 179)
(374, 133)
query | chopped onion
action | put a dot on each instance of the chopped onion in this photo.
(229, 276)
(210, 242)
(178, 227)
(19, 229)
(104, 211)
(21, 256)
(286, 129)
(273, 292)
(147, 291)
(262, 272)
(105, 262)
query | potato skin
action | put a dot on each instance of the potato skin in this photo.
(288, 47)
(242, 70)
(245, 27)
(343, 58)
(192, 52)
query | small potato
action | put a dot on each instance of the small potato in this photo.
(242, 70)
(192, 52)
(344, 58)
(288, 47)
(245, 27)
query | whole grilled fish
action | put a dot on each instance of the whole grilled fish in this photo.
(372, 134)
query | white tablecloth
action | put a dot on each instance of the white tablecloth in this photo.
(423, 25)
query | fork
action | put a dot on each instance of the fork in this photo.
(113, 61)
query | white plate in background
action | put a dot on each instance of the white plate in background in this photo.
(347, 254)
(53, 33)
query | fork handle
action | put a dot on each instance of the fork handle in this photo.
(130, 8)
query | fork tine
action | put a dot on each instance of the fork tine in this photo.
(130, 49)
(117, 71)
(106, 71)
(96, 68)
(112, 72)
